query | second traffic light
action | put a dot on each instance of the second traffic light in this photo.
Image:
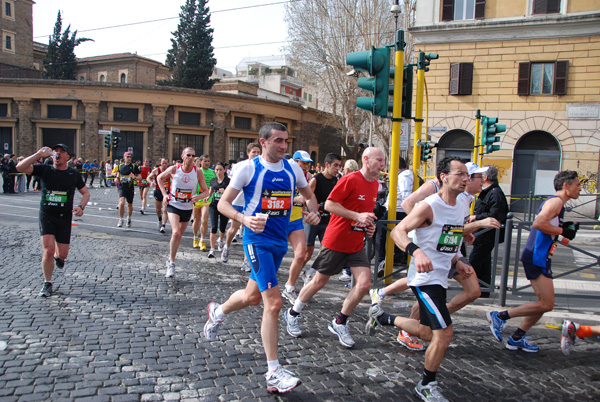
(107, 141)
(426, 149)
(115, 143)
(489, 131)
(377, 63)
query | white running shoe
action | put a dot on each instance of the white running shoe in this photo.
(281, 380)
(225, 254)
(128, 222)
(212, 324)
(344, 277)
(341, 331)
(376, 298)
(170, 269)
(120, 223)
(293, 324)
(211, 253)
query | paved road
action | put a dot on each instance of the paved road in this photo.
(118, 330)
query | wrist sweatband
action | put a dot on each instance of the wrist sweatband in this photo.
(411, 248)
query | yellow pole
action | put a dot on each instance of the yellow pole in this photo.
(395, 151)
(477, 139)
(418, 125)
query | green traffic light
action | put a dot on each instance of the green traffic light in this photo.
(377, 63)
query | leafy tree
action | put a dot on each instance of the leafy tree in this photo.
(191, 58)
(60, 62)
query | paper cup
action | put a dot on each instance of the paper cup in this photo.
(263, 216)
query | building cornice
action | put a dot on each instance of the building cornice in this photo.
(547, 27)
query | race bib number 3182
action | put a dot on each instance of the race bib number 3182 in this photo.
(276, 202)
(450, 239)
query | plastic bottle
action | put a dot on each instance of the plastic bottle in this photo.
(559, 239)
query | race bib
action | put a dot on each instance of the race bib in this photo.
(217, 195)
(450, 239)
(358, 227)
(56, 197)
(276, 202)
(183, 195)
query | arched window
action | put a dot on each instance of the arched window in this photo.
(455, 143)
(102, 78)
(123, 78)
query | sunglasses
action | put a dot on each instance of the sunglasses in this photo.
(190, 155)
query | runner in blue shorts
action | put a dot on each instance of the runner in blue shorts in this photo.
(268, 182)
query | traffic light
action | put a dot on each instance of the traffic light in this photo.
(116, 142)
(426, 148)
(377, 63)
(489, 131)
(407, 87)
(107, 141)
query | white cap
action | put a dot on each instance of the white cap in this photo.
(303, 156)
(473, 168)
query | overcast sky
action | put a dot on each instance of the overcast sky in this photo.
(241, 27)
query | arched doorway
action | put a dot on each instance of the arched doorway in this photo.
(455, 143)
(536, 162)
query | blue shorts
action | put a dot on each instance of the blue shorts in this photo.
(265, 260)
(295, 225)
(533, 271)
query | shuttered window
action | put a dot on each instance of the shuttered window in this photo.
(543, 78)
(546, 6)
(461, 78)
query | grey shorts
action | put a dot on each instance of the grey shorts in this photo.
(330, 262)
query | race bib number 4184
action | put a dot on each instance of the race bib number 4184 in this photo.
(450, 239)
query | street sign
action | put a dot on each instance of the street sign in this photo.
(130, 149)
(404, 134)
(438, 130)
(115, 130)
(104, 132)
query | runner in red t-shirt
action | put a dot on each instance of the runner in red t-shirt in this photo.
(351, 204)
(143, 184)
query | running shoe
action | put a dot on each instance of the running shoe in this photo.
(376, 298)
(308, 275)
(246, 266)
(120, 223)
(203, 245)
(159, 223)
(293, 324)
(212, 324)
(381, 269)
(429, 392)
(211, 253)
(46, 290)
(496, 324)
(522, 344)
(170, 269)
(409, 342)
(142, 211)
(281, 380)
(225, 254)
(290, 295)
(341, 331)
(60, 263)
(196, 242)
(374, 312)
(344, 277)
(162, 229)
(220, 244)
(568, 336)
(128, 222)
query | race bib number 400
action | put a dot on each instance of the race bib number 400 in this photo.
(450, 239)
(276, 202)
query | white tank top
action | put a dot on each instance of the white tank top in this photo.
(183, 187)
(440, 241)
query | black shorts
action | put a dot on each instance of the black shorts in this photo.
(184, 215)
(533, 271)
(329, 262)
(127, 191)
(312, 232)
(59, 227)
(432, 303)
(158, 195)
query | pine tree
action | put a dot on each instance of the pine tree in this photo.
(191, 58)
(60, 62)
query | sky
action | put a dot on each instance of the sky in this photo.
(242, 28)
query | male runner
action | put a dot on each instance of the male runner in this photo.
(296, 235)
(321, 184)
(201, 208)
(351, 204)
(127, 173)
(143, 184)
(268, 182)
(252, 150)
(161, 211)
(185, 178)
(56, 207)
(546, 227)
(438, 223)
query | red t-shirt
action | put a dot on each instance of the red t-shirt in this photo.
(357, 194)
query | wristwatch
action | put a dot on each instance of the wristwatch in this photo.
(81, 206)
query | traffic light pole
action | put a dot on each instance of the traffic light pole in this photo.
(111, 146)
(476, 151)
(395, 151)
(418, 118)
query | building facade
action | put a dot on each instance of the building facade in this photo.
(535, 65)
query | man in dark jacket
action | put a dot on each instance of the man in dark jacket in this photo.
(490, 203)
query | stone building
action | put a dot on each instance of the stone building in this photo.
(534, 65)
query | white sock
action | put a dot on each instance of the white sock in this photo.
(219, 314)
(225, 248)
(289, 288)
(298, 306)
(195, 237)
(272, 364)
(381, 292)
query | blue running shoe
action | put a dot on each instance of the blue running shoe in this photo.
(522, 344)
(496, 324)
